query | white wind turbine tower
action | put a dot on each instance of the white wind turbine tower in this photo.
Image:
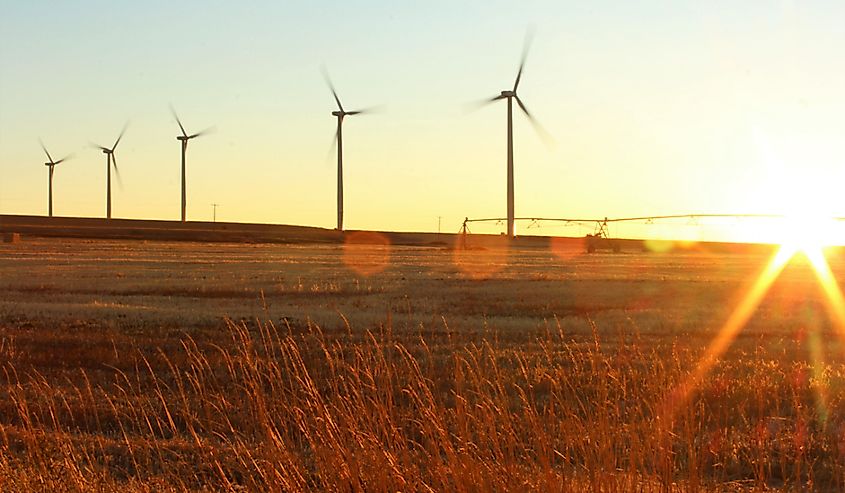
(338, 140)
(184, 138)
(111, 162)
(511, 95)
(51, 165)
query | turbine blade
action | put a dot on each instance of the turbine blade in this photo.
(524, 109)
(367, 111)
(116, 172)
(173, 110)
(209, 130)
(120, 136)
(332, 148)
(98, 146)
(45, 150)
(69, 156)
(529, 37)
(541, 131)
(331, 86)
(476, 105)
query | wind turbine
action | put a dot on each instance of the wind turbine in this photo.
(51, 165)
(511, 95)
(184, 138)
(338, 140)
(111, 161)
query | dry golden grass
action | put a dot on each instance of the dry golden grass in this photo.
(555, 377)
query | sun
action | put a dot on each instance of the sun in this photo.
(804, 224)
(804, 208)
(800, 237)
(808, 233)
(805, 203)
(797, 177)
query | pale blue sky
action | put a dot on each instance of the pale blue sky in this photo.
(655, 107)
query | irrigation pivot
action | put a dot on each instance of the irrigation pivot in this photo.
(510, 95)
(184, 138)
(338, 141)
(51, 165)
(111, 162)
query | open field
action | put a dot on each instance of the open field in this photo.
(155, 366)
(235, 232)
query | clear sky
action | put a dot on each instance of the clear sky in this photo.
(656, 107)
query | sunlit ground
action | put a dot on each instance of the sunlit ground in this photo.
(552, 357)
(800, 235)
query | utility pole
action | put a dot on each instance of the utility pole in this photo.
(214, 212)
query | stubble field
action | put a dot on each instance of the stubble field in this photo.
(152, 366)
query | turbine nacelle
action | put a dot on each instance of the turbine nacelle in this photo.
(51, 162)
(508, 94)
(338, 113)
(185, 137)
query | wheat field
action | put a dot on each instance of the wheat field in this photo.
(151, 366)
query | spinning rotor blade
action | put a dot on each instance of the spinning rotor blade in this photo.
(45, 150)
(476, 105)
(367, 111)
(69, 156)
(524, 109)
(332, 148)
(529, 36)
(207, 131)
(541, 131)
(331, 86)
(173, 110)
(116, 171)
(119, 137)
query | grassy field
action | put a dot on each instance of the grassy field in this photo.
(152, 366)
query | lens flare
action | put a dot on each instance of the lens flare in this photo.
(366, 252)
(832, 291)
(735, 322)
(835, 303)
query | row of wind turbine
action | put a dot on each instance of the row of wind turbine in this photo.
(111, 163)
(340, 114)
(510, 95)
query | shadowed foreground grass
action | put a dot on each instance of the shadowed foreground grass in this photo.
(268, 408)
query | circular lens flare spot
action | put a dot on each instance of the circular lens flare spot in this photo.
(366, 252)
(659, 246)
